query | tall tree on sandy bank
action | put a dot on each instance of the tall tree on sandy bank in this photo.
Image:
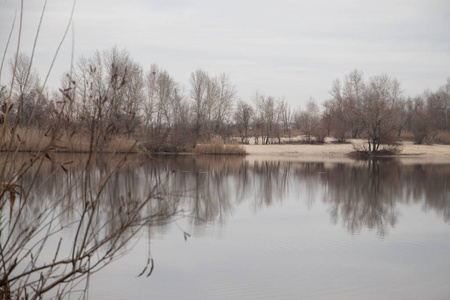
(373, 107)
(438, 104)
(267, 118)
(242, 118)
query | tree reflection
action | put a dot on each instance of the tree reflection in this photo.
(429, 184)
(360, 195)
(365, 196)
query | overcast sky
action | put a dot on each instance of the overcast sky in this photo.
(291, 49)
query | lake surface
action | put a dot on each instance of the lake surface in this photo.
(283, 230)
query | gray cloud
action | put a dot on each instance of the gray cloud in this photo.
(283, 48)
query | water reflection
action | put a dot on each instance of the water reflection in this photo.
(359, 195)
(208, 189)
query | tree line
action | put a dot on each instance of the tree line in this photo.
(110, 93)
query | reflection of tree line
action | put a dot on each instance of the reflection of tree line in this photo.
(365, 196)
(362, 194)
(432, 183)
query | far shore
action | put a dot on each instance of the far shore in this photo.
(339, 152)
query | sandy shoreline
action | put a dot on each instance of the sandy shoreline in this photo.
(338, 152)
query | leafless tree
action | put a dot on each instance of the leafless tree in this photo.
(339, 109)
(199, 86)
(27, 95)
(420, 124)
(242, 117)
(374, 108)
(376, 111)
(445, 92)
(106, 94)
(125, 86)
(268, 116)
(286, 116)
(438, 104)
(168, 112)
(310, 122)
(212, 107)
(224, 107)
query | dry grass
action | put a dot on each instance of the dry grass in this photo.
(436, 137)
(36, 140)
(442, 137)
(217, 147)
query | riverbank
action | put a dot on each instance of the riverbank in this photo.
(339, 152)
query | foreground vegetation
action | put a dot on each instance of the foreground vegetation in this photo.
(36, 260)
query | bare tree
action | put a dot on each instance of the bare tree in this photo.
(27, 97)
(125, 90)
(213, 103)
(286, 116)
(420, 124)
(224, 107)
(374, 108)
(438, 104)
(105, 94)
(310, 122)
(445, 93)
(376, 111)
(168, 116)
(341, 119)
(242, 117)
(199, 85)
(268, 116)
(151, 100)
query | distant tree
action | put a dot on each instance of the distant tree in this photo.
(168, 112)
(199, 85)
(402, 115)
(109, 94)
(125, 86)
(28, 100)
(376, 111)
(445, 93)
(372, 108)
(438, 104)
(150, 104)
(213, 103)
(267, 116)
(310, 122)
(420, 120)
(340, 111)
(242, 118)
(224, 107)
(286, 116)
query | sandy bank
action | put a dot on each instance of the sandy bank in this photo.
(338, 152)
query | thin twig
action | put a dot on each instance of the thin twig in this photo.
(6, 47)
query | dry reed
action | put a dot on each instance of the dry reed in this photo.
(217, 147)
(36, 140)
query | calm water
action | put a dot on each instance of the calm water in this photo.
(284, 230)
